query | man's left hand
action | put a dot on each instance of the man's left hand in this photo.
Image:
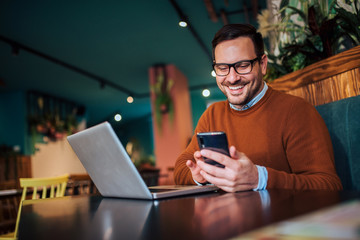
(239, 174)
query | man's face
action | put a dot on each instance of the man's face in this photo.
(240, 89)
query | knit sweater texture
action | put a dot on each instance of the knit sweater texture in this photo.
(281, 132)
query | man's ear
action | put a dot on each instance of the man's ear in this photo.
(263, 64)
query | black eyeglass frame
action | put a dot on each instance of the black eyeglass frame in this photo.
(233, 65)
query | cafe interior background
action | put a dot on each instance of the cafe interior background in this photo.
(66, 66)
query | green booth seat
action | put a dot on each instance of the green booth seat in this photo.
(343, 121)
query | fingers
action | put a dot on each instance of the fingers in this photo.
(216, 156)
(197, 155)
(223, 159)
(238, 174)
(195, 171)
(211, 169)
(214, 179)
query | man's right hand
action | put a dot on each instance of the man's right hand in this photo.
(194, 168)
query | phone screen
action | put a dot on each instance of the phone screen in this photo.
(215, 141)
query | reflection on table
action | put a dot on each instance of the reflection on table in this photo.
(205, 216)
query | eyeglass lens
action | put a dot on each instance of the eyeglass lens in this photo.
(242, 67)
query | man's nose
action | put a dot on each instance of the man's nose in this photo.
(233, 75)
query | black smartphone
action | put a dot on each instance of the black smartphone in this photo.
(215, 141)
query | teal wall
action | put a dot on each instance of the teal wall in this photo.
(13, 125)
(13, 120)
(199, 103)
(139, 129)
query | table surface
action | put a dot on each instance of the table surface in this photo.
(204, 216)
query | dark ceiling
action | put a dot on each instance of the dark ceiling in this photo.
(67, 47)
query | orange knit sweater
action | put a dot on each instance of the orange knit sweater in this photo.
(284, 133)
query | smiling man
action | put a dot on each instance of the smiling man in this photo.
(276, 140)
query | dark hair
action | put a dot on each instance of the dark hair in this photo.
(232, 31)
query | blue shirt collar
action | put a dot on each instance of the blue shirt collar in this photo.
(252, 101)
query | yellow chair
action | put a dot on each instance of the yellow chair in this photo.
(36, 183)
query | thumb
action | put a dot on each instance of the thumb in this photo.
(233, 152)
(190, 164)
(194, 169)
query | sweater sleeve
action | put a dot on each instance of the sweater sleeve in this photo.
(182, 174)
(309, 152)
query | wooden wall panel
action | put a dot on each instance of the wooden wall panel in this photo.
(17, 167)
(300, 92)
(326, 81)
(319, 71)
(355, 84)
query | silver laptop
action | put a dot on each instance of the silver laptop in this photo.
(112, 171)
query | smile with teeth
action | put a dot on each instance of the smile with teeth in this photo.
(236, 87)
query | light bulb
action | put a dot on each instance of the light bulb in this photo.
(130, 99)
(206, 92)
(213, 73)
(182, 24)
(117, 117)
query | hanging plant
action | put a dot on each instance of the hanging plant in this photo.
(163, 102)
(51, 118)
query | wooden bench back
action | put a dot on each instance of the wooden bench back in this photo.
(326, 81)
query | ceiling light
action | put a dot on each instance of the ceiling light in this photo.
(118, 117)
(213, 73)
(183, 24)
(130, 99)
(206, 92)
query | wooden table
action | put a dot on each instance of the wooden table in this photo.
(207, 216)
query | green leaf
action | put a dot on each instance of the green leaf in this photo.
(298, 11)
(284, 3)
(283, 6)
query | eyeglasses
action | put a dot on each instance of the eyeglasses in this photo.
(241, 67)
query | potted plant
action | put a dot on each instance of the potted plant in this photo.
(308, 33)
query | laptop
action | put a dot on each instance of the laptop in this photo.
(112, 171)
